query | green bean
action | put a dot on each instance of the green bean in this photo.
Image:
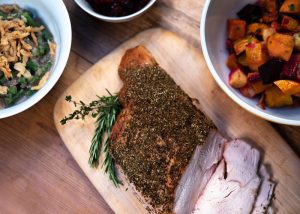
(32, 66)
(12, 90)
(43, 48)
(11, 98)
(47, 35)
(29, 19)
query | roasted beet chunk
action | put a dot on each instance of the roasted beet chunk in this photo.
(291, 68)
(254, 77)
(250, 13)
(270, 71)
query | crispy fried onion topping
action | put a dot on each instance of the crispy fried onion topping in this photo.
(3, 90)
(13, 47)
(42, 82)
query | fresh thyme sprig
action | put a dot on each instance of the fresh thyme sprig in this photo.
(105, 109)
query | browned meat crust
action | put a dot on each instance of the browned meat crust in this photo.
(157, 131)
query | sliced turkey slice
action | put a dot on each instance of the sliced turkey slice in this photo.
(233, 187)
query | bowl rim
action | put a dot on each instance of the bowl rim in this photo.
(259, 113)
(115, 19)
(55, 73)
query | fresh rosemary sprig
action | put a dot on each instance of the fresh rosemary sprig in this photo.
(105, 109)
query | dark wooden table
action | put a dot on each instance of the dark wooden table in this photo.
(37, 173)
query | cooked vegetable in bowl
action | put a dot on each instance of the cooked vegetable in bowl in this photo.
(27, 53)
(264, 52)
(117, 8)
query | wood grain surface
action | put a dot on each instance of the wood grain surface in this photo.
(190, 72)
(37, 173)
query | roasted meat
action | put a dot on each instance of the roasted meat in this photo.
(166, 148)
(237, 186)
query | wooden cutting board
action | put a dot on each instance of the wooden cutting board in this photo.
(187, 66)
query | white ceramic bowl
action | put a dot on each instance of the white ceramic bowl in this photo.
(213, 36)
(54, 14)
(87, 8)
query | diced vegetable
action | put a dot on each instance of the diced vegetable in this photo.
(291, 68)
(237, 78)
(247, 91)
(266, 60)
(250, 13)
(281, 46)
(229, 46)
(260, 87)
(269, 17)
(274, 97)
(253, 77)
(288, 87)
(266, 32)
(276, 26)
(232, 62)
(290, 6)
(288, 23)
(241, 44)
(271, 6)
(297, 41)
(236, 29)
(256, 28)
(256, 55)
(242, 60)
(270, 71)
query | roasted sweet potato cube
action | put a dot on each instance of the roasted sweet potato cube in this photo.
(269, 17)
(288, 23)
(288, 87)
(242, 60)
(271, 6)
(241, 44)
(237, 78)
(236, 29)
(256, 55)
(266, 32)
(247, 91)
(291, 7)
(232, 62)
(274, 97)
(256, 28)
(281, 46)
(260, 87)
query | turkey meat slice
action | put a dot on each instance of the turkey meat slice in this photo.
(265, 193)
(234, 185)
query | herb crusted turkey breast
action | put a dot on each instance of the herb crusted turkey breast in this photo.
(160, 136)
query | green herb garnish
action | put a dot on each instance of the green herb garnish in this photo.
(292, 7)
(106, 110)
